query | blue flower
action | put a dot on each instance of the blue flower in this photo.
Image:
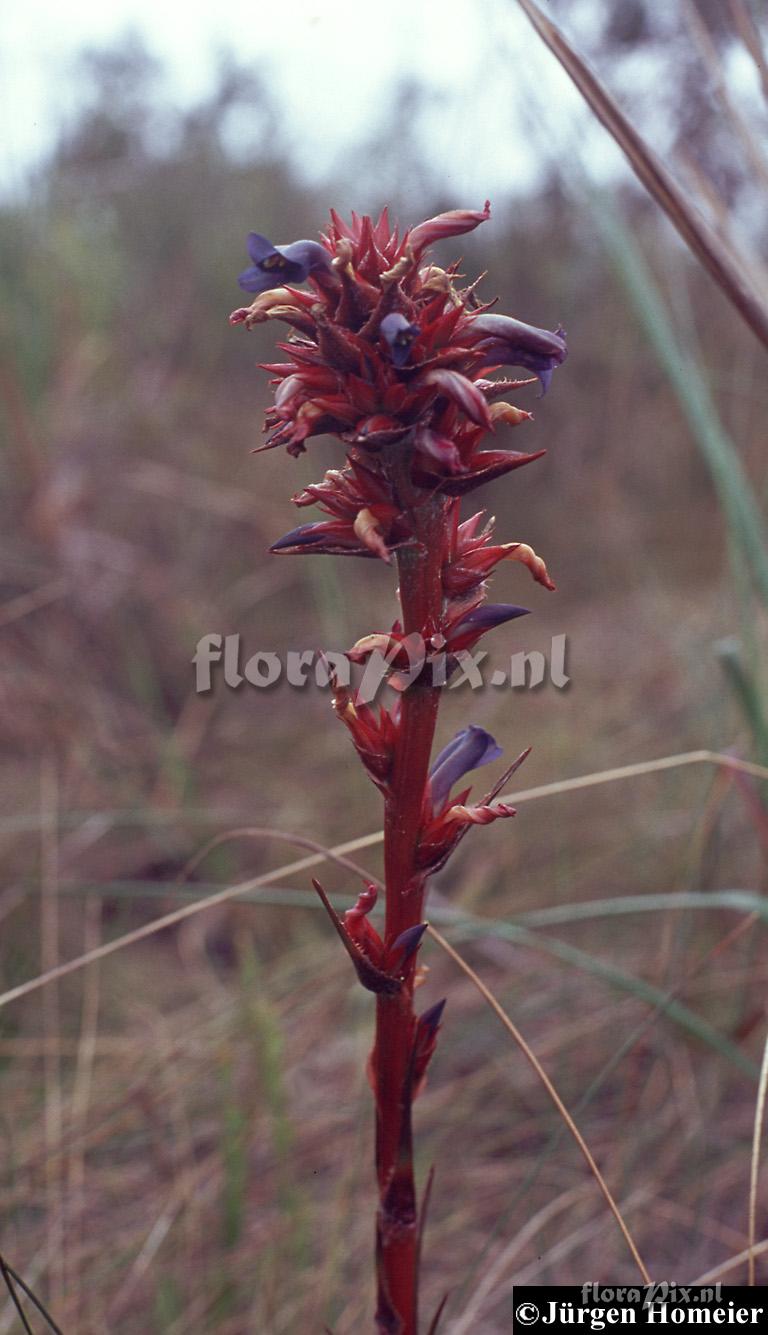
(512, 343)
(275, 265)
(470, 748)
(399, 334)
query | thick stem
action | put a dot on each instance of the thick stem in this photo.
(397, 1242)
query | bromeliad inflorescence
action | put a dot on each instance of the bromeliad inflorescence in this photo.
(390, 353)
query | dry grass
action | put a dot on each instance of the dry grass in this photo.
(229, 1118)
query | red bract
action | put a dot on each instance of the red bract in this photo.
(365, 521)
(473, 555)
(374, 733)
(390, 353)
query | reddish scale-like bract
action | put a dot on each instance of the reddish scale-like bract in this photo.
(390, 353)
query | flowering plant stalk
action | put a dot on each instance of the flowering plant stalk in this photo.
(389, 353)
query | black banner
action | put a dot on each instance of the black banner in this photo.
(662, 1307)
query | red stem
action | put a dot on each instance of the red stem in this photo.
(419, 568)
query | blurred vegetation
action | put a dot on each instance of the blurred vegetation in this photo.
(186, 1129)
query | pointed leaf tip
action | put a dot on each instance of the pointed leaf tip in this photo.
(372, 978)
(430, 1019)
(405, 945)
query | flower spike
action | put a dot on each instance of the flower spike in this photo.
(399, 359)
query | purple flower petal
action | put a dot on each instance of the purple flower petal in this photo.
(323, 538)
(399, 334)
(259, 248)
(489, 615)
(470, 749)
(306, 535)
(309, 255)
(545, 378)
(275, 265)
(255, 280)
(513, 343)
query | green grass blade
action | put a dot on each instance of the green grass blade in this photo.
(746, 523)
(665, 1004)
(746, 692)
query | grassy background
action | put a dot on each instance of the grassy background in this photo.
(186, 1127)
